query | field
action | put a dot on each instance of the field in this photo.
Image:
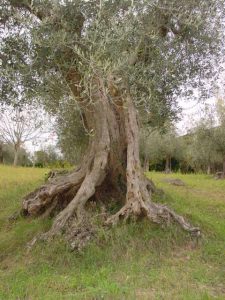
(133, 261)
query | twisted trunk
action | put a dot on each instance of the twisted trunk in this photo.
(110, 170)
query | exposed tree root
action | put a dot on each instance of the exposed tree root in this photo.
(156, 213)
(45, 199)
(74, 221)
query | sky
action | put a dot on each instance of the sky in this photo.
(192, 111)
(45, 140)
(33, 125)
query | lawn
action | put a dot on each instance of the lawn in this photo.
(131, 261)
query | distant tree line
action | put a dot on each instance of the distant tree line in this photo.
(49, 157)
(202, 149)
(46, 157)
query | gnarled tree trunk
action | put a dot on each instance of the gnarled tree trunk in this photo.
(110, 169)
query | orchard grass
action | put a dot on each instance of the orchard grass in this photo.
(130, 261)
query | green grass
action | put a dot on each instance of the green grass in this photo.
(133, 261)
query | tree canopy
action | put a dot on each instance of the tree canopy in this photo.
(159, 46)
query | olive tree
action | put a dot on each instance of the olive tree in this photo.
(72, 134)
(18, 127)
(202, 151)
(114, 59)
(161, 145)
(206, 146)
(219, 132)
(171, 147)
(8, 155)
(150, 147)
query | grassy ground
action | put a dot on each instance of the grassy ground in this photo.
(134, 261)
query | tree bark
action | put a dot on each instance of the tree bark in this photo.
(110, 170)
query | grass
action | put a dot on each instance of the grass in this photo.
(133, 261)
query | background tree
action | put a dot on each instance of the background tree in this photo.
(202, 147)
(1, 152)
(112, 57)
(170, 147)
(150, 147)
(18, 127)
(72, 134)
(219, 131)
(40, 158)
(160, 146)
(9, 153)
(185, 155)
(47, 157)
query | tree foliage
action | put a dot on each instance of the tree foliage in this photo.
(202, 151)
(72, 133)
(47, 157)
(220, 130)
(159, 46)
(161, 146)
